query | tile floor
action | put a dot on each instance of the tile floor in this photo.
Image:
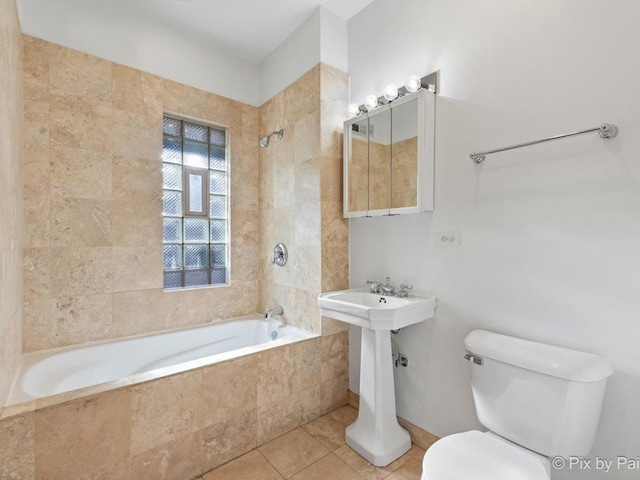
(316, 451)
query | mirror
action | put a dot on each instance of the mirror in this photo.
(380, 159)
(357, 184)
(404, 155)
(390, 158)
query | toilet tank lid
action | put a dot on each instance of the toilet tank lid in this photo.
(538, 357)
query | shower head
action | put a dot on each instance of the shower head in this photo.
(264, 141)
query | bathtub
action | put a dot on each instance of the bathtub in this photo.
(53, 372)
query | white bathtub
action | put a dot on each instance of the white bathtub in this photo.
(51, 372)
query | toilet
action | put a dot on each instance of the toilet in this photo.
(537, 401)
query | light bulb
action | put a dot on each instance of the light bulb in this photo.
(371, 102)
(354, 109)
(414, 83)
(391, 92)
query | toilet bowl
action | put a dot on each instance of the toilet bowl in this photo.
(482, 456)
(538, 401)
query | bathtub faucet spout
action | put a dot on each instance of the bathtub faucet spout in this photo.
(273, 311)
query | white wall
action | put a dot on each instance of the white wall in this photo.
(142, 44)
(321, 38)
(550, 234)
(297, 54)
(333, 40)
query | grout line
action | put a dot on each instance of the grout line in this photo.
(352, 468)
(313, 463)
(312, 436)
(272, 465)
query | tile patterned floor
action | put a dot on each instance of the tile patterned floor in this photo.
(316, 451)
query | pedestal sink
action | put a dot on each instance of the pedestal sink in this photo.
(376, 434)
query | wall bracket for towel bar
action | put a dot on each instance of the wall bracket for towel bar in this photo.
(606, 130)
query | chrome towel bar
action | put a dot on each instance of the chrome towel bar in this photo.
(606, 130)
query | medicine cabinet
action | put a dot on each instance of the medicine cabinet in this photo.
(389, 158)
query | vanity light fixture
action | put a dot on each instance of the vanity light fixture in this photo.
(371, 102)
(354, 109)
(414, 83)
(391, 92)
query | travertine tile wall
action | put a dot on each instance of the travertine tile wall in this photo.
(11, 194)
(93, 268)
(301, 205)
(177, 427)
(334, 95)
(301, 196)
(93, 201)
(290, 200)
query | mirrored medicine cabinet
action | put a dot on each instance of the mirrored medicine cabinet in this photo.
(389, 158)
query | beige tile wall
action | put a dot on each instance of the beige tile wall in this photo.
(301, 196)
(11, 194)
(93, 232)
(334, 94)
(290, 199)
(93, 201)
(92, 266)
(177, 427)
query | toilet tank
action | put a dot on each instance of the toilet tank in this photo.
(545, 398)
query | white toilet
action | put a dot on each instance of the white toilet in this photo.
(538, 402)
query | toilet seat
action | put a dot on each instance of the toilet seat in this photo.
(482, 456)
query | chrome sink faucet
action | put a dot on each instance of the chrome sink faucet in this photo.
(380, 289)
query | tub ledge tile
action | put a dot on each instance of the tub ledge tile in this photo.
(17, 409)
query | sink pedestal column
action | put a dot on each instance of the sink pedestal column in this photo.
(376, 434)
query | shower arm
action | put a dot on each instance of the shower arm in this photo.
(264, 141)
(280, 133)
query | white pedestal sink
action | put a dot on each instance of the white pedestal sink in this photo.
(376, 434)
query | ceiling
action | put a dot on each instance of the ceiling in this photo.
(250, 29)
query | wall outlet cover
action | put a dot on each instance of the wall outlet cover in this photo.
(448, 239)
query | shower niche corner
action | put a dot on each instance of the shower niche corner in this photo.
(389, 158)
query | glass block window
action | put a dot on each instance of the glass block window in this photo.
(195, 199)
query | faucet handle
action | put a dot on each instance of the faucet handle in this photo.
(388, 281)
(402, 293)
(375, 286)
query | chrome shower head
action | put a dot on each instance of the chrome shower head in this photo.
(264, 141)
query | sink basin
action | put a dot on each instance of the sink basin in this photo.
(376, 434)
(370, 310)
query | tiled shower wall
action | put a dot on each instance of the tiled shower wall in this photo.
(10, 193)
(334, 229)
(301, 197)
(93, 270)
(93, 201)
